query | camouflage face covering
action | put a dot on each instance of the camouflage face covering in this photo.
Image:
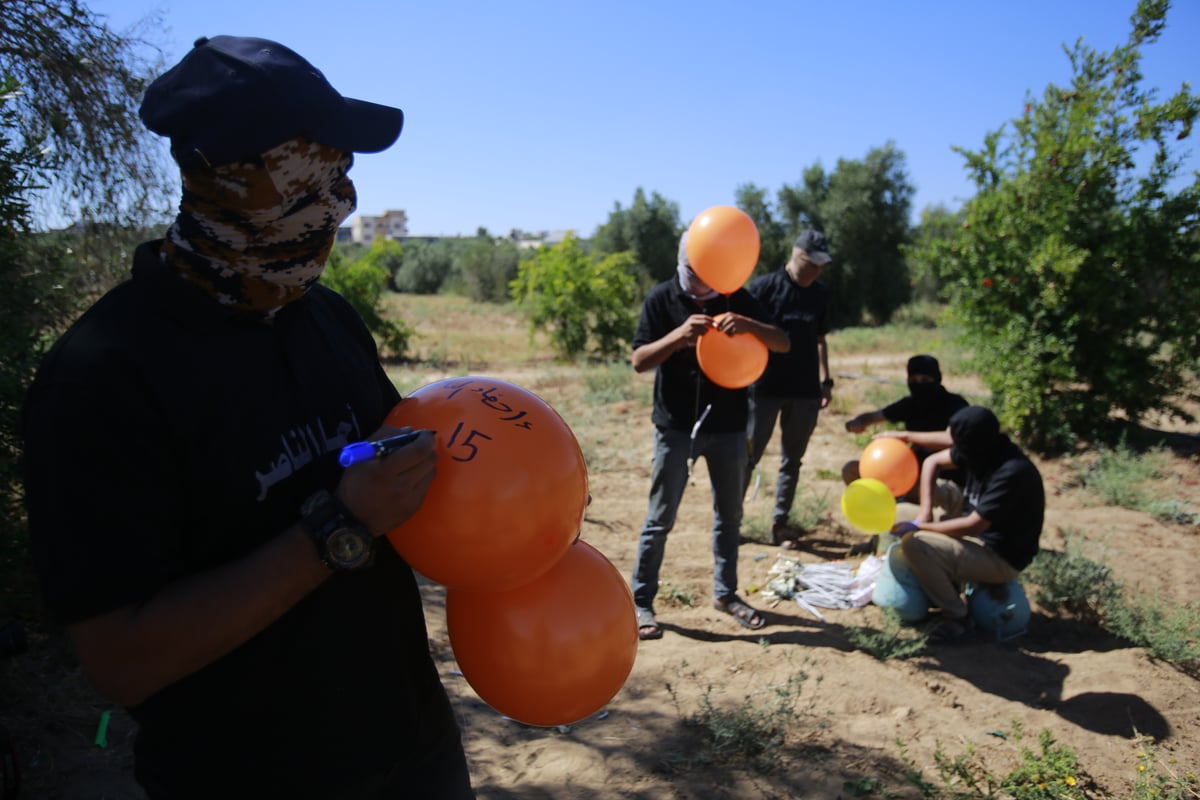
(255, 235)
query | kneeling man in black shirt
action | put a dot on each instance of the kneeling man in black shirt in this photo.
(997, 534)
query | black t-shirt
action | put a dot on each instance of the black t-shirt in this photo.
(932, 414)
(803, 314)
(1013, 499)
(928, 414)
(167, 435)
(681, 390)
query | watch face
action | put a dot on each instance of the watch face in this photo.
(348, 548)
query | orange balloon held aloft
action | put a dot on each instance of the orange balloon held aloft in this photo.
(891, 461)
(732, 361)
(511, 485)
(553, 651)
(722, 247)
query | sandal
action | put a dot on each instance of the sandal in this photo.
(648, 627)
(953, 631)
(785, 536)
(746, 616)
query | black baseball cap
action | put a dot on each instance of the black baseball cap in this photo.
(813, 243)
(234, 97)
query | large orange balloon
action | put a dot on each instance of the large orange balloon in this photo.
(511, 486)
(732, 361)
(891, 461)
(553, 651)
(722, 247)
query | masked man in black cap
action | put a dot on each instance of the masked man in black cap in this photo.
(797, 383)
(998, 532)
(927, 407)
(217, 571)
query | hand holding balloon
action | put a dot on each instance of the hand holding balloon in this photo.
(729, 359)
(732, 323)
(693, 328)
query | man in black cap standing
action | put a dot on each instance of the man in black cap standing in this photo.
(217, 571)
(796, 384)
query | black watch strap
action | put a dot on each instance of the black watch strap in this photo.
(324, 518)
(827, 383)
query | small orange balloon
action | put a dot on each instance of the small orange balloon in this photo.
(732, 361)
(891, 461)
(554, 650)
(722, 247)
(511, 485)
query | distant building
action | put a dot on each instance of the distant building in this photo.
(365, 228)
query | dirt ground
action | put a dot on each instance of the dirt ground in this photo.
(857, 721)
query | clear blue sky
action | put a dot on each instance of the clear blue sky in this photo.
(543, 115)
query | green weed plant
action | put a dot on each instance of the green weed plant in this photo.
(1050, 772)
(670, 594)
(1072, 583)
(752, 731)
(610, 383)
(895, 640)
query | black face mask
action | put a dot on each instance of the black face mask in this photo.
(979, 446)
(924, 391)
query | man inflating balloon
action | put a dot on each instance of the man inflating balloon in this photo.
(693, 416)
(997, 534)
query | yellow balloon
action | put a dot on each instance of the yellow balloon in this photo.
(868, 504)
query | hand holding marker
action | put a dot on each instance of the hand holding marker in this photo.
(364, 451)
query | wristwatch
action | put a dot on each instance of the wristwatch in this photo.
(343, 543)
(827, 383)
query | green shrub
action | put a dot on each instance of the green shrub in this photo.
(362, 282)
(586, 306)
(1051, 772)
(1169, 632)
(1120, 476)
(1071, 583)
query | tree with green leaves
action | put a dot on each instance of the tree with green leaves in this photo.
(425, 267)
(937, 223)
(799, 206)
(775, 247)
(79, 87)
(71, 146)
(1076, 269)
(864, 211)
(29, 305)
(362, 282)
(862, 207)
(649, 228)
(588, 305)
(486, 267)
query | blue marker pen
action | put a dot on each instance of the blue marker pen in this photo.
(364, 451)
